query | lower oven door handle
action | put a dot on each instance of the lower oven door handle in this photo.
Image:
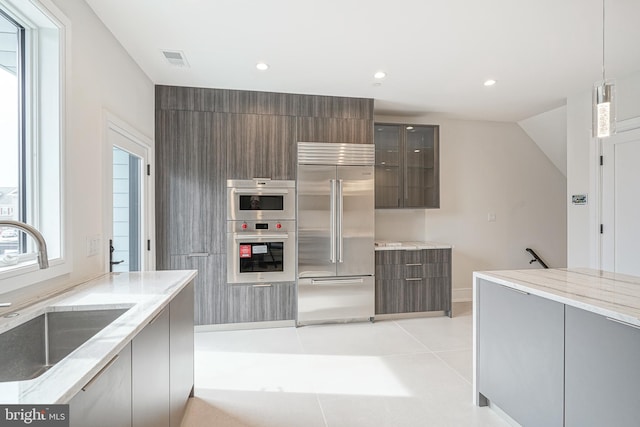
(261, 191)
(260, 236)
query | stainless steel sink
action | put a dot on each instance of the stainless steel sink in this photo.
(29, 349)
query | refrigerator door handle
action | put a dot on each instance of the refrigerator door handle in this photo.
(340, 219)
(332, 221)
(337, 281)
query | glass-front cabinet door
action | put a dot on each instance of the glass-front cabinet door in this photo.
(407, 166)
(421, 167)
(387, 170)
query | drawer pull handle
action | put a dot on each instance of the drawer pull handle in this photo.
(413, 265)
(100, 372)
(516, 290)
(413, 279)
(198, 254)
(155, 317)
(622, 322)
(263, 285)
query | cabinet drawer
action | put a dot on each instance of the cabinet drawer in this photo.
(261, 302)
(412, 294)
(412, 270)
(423, 256)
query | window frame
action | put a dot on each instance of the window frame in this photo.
(46, 212)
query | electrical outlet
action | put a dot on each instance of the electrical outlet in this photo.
(93, 245)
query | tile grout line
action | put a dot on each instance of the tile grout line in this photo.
(324, 417)
(451, 368)
(412, 336)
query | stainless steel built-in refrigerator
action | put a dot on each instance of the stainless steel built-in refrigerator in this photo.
(335, 232)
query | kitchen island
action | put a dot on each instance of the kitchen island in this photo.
(558, 346)
(137, 368)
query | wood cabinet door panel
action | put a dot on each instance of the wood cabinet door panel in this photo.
(260, 146)
(259, 303)
(190, 183)
(209, 286)
(314, 129)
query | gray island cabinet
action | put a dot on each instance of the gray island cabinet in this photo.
(558, 347)
(147, 384)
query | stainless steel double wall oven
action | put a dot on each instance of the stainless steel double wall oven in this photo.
(261, 231)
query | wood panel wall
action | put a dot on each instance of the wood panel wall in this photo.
(206, 136)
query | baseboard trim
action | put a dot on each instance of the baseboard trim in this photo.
(412, 315)
(462, 294)
(245, 325)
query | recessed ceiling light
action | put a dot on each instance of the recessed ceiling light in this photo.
(489, 82)
(262, 66)
(380, 75)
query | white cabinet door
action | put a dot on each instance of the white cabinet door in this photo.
(105, 401)
(602, 377)
(520, 359)
(181, 339)
(150, 367)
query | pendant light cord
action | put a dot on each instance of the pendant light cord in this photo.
(603, 45)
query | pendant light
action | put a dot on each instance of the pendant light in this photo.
(604, 111)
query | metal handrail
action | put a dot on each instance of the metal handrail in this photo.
(536, 258)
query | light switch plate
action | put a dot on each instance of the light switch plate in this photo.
(491, 217)
(93, 245)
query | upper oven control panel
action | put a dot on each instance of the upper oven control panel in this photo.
(275, 226)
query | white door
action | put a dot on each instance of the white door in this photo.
(129, 200)
(621, 203)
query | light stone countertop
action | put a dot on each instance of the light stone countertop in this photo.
(386, 245)
(144, 293)
(609, 294)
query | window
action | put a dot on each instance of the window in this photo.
(11, 132)
(32, 41)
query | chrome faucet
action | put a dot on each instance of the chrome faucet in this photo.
(43, 259)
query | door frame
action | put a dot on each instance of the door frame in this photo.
(625, 129)
(607, 198)
(139, 141)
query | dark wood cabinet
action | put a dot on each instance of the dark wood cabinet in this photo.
(409, 281)
(260, 146)
(322, 129)
(210, 287)
(206, 136)
(407, 166)
(261, 302)
(190, 183)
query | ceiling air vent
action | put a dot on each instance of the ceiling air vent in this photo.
(175, 57)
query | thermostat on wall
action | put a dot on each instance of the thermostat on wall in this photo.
(579, 199)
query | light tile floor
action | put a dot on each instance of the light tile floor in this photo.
(409, 372)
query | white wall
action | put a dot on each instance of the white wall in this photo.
(583, 171)
(549, 131)
(102, 76)
(487, 167)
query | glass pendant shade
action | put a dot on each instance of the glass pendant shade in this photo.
(604, 109)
